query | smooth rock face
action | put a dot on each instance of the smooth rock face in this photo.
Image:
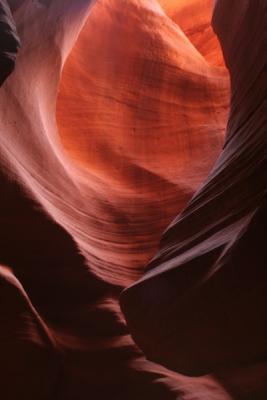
(145, 125)
(110, 122)
(193, 17)
(201, 307)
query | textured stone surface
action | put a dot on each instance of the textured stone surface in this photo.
(202, 304)
(109, 124)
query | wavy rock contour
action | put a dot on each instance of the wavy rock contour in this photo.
(111, 148)
(208, 280)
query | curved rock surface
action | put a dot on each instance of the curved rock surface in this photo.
(110, 122)
(193, 17)
(208, 281)
(147, 122)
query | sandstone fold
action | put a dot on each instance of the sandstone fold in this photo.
(111, 120)
(201, 304)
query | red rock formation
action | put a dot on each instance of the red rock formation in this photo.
(111, 148)
(194, 17)
(145, 120)
(208, 280)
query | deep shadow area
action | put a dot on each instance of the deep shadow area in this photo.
(42, 255)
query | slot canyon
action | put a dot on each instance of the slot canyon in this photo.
(133, 153)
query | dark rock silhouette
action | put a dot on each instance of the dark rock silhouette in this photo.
(9, 41)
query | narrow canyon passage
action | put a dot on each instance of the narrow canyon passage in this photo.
(112, 119)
